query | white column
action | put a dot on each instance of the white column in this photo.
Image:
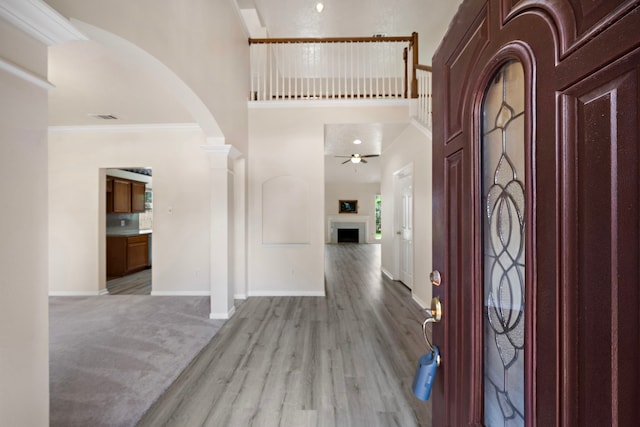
(239, 229)
(221, 229)
(27, 29)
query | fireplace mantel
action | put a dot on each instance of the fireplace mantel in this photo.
(361, 222)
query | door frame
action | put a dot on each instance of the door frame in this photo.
(573, 47)
(403, 172)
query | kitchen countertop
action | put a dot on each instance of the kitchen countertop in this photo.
(129, 233)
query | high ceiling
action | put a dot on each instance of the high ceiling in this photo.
(91, 80)
(355, 18)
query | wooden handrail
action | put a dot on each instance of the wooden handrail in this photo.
(332, 40)
(414, 80)
(405, 56)
(411, 81)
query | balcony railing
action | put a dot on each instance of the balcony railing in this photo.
(340, 68)
(424, 92)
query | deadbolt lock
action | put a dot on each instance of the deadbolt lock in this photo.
(435, 277)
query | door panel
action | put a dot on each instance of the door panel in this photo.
(581, 66)
(457, 70)
(603, 149)
(406, 230)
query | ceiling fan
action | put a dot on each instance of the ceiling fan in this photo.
(357, 158)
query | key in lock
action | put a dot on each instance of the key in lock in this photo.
(425, 374)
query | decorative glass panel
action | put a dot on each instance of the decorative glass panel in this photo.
(504, 244)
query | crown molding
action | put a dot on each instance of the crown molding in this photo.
(40, 21)
(24, 74)
(226, 150)
(152, 127)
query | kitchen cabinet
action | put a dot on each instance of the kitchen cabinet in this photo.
(124, 195)
(121, 196)
(137, 196)
(127, 254)
(109, 194)
(137, 252)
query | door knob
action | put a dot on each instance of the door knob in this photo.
(435, 277)
(434, 315)
(435, 311)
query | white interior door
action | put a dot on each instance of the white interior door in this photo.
(404, 225)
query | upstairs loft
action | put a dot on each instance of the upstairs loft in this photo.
(355, 68)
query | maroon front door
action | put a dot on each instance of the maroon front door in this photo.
(555, 227)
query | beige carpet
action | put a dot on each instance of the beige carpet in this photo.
(111, 357)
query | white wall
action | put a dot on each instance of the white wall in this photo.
(413, 146)
(287, 139)
(181, 212)
(204, 44)
(365, 194)
(24, 313)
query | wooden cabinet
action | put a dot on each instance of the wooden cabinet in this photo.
(121, 195)
(116, 256)
(137, 252)
(127, 254)
(124, 195)
(137, 196)
(109, 194)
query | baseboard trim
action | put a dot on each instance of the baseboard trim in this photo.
(386, 273)
(419, 301)
(240, 296)
(74, 293)
(223, 316)
(180, 293)
(287, 294)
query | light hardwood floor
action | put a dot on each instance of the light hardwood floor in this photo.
(347, 359)
(133, 284)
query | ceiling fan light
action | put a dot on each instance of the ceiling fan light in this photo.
(356, 160)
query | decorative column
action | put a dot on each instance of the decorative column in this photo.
(221, 229)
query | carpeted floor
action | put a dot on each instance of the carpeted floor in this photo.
(111, 357)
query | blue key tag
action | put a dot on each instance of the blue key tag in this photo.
(425, 374)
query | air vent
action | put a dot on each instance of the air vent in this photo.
(104, 116)
(380, 35)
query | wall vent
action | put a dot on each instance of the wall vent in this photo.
(104, 116)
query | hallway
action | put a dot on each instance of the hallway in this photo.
(344, 360)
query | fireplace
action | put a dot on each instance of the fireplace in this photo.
(356, 224)
(348, 235)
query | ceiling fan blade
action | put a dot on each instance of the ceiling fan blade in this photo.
(371, 155)
(344, 156)
(363, 161)
(346, 161)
